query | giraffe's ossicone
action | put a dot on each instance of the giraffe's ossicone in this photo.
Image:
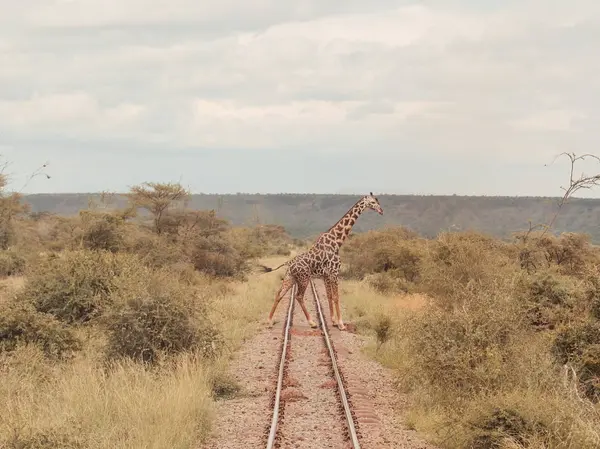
(322, 260)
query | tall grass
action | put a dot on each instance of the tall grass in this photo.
(489, 353)
(81, 404)
(94, 402)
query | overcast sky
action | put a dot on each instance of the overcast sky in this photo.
(432, 96)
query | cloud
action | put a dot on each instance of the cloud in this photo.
(453, 79)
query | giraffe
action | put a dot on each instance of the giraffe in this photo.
(322, 260)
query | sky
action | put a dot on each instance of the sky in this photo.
(468, 97)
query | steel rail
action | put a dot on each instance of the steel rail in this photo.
(286, 337)
(336, 372)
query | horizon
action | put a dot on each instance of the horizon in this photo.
(357, 195)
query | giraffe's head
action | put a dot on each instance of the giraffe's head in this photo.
(372, 202)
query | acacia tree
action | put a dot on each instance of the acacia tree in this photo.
(158, 198)
(564, 250)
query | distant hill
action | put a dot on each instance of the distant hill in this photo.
(305, 215)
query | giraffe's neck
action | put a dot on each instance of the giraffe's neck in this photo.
(338, 233)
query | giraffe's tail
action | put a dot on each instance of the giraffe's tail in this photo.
(268, 269)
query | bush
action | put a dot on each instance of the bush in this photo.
(569, 252)
(466, 263)
(552, 299)
(11, 263)
(21, 324)
(260, 241)
(77, 286)
(381, 251)
(467, 347)
(162, 317)
(103, 232)
(571, 342)
(387, 282)
(579, 345)
(492, 430)
(224, 385)
(215, 256)
(157, 251)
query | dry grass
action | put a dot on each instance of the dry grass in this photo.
(475, 345)
(118, 326)
(80, 404)
(243, 312)
(87, 402)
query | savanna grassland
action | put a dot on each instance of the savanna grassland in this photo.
(118, 323)
(495, 343)
(116, 329)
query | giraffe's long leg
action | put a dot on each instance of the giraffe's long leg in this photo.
(336, 300)
(329, 291)
(302, 284)
(287, 283)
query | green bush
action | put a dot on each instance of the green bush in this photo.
(20, 323)
(215, 256)
(551, 299)
(77, 286)
(157, 251)
(161, 317)
(467, 346)
(393, 249)
(103, 232)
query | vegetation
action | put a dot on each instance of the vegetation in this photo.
(307, 215)
(118, 321)
(487, 339)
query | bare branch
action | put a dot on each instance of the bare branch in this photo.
(575, 184)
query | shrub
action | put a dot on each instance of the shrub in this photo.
(76, 286)
(394, 249)
(551, 298)
(224, 385)
(568, 252)
(156, 251)
(216, 257)
(579, 345)
(20, 323)
(467, 346)
(11, 263)
(500, 424)
(260, 241)
(387, 282)
(383, 329)
(161, 317)
(103, 232)
(466, 263)
(571, 342)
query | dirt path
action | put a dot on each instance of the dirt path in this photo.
(243, 422)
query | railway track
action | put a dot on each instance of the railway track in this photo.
(311, 408)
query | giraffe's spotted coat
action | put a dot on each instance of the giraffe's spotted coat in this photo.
(322, 260)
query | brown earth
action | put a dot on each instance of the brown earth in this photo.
(312, 415)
